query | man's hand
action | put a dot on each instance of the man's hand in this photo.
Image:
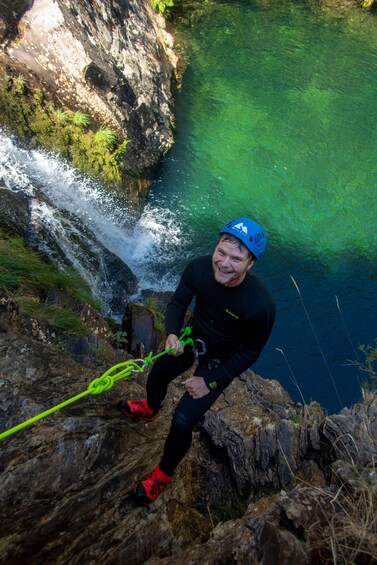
(196, 387)
(172, 342)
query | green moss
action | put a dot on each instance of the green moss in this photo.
(26, 277)
(55, 316)
(25, 111)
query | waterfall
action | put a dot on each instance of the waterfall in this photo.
(78, 223)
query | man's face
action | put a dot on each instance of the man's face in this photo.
(230, 263)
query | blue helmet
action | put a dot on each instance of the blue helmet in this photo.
(251, 234)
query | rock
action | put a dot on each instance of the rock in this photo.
(255, 423)
(10, 14)
(143, 336)
(64, 479)
(14, 217)
(352, 433)
(114, 61)
(64, 240)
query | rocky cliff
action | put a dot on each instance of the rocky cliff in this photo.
(266, 481)
(113, 60)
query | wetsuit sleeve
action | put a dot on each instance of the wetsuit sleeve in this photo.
(179, 303)
(256, 337)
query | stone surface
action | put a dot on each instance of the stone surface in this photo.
(77, 246)
(64, 479)
(113, 60)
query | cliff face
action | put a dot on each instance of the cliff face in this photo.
(284, 473)
(113, 60)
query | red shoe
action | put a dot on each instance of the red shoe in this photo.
(148, 490)
(137, 410)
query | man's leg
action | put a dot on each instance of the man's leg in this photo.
(188, 413)
(178, 442)
(164, 370)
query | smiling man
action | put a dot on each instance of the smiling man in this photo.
(232, 321)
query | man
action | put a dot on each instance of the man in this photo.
(232, 321)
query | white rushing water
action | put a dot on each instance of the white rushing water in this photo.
(78, 213)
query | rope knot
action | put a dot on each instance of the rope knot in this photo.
(105, 382)
(149, 359)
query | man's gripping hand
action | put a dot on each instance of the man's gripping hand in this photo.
(196, 387)
(172, 342)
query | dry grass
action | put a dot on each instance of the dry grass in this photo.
(350, 533)
(344, 528)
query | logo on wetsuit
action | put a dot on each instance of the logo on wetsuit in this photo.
(231, 314)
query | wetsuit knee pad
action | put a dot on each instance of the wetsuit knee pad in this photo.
(181, 422)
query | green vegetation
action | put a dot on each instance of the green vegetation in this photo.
(151, 304)
(234, 508)
(56, 316)
(81, 120)
(27, 277)
(163, 6)
(96, 152)
(105, 138)
(120, 339)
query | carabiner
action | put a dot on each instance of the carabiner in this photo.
(199, 349)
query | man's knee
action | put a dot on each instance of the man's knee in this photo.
(181, 422)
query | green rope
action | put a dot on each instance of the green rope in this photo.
(103, 383)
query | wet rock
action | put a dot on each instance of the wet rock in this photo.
(143, 332)
(113, 60)
(68, 244)
(14, 217)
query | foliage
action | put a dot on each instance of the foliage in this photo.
(151, 304)
(120, 339)
(80, 119)
(55, 316)
(164, 6)
(26, 276)
(20, 84)
(105, 137)
(71, 282)
(117, 155)
(350, 531)
(25, 111)
(97, 347)
(61, 116)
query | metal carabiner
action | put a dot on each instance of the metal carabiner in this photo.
(201, 350)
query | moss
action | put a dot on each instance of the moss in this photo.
(25, 111)
(26, 277)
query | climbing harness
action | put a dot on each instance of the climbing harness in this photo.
(105, 381)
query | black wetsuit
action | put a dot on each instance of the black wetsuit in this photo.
(233, 322)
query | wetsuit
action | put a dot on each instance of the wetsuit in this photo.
(233, 322)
